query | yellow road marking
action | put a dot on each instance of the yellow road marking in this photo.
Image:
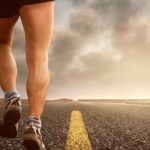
(77, 135)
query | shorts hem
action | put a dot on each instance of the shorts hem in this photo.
(7, 16)
(38, 2)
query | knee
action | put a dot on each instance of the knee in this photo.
(37, 57)
(5, 47)
(5, 41)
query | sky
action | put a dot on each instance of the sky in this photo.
(100, 49)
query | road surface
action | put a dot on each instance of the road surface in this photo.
(89, 125)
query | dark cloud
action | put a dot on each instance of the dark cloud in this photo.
(64, 49)
(129, 41)
(18, 41)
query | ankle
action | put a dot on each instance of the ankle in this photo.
(34, 120)
(10, 94)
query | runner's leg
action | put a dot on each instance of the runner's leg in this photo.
(8, 74)
(37, 21)
(8, 70)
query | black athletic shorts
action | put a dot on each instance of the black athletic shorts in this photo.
(9, 8)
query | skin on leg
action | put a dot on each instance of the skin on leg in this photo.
(37, 21)
(8, 70)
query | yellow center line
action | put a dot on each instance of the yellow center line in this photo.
(77, 135)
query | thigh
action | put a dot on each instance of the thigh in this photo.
(6, 27)
(37, 20)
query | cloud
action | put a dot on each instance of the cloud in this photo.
(118, 62)
(102, 44)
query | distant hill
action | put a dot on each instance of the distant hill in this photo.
(126, 101)
(61, 100)
(25, 101)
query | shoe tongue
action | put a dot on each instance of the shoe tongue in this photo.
(30, 124)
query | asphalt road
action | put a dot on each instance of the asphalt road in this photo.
(55, 124)
(109, 126)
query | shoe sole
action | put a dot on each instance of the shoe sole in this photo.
(13, 115)
(8, 130)
(31, 143)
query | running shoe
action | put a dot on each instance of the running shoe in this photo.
(11, 117)
(32, 138)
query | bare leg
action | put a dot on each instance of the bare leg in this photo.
(37, 21)
(8, 70)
